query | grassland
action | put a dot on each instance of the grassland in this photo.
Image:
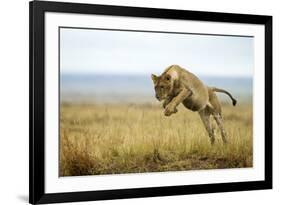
(108, 139)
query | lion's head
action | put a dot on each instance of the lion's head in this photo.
(163, 86)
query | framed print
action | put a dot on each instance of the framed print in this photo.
(141, 102)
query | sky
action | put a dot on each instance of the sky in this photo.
(87, 51)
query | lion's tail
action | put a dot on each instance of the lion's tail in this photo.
(225, 92)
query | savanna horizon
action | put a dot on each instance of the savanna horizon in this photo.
(117, 138)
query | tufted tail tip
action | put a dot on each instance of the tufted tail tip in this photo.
(234, 102)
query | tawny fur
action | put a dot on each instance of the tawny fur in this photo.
(177, 85)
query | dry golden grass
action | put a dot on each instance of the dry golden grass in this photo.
(109, 139)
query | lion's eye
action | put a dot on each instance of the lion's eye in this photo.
(162, 87)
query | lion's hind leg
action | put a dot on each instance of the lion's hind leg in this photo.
(216, 111)
(219, 121)
(205, 117)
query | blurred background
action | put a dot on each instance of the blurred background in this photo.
(115, 66)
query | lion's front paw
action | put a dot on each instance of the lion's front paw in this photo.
(170, 110)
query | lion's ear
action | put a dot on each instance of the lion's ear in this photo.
(154, 78)
(168, 77)
(173, 75)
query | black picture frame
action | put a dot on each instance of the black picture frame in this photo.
(37, 9)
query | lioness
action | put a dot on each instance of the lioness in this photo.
(177, 85)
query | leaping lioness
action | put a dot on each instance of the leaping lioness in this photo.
(177, 85)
